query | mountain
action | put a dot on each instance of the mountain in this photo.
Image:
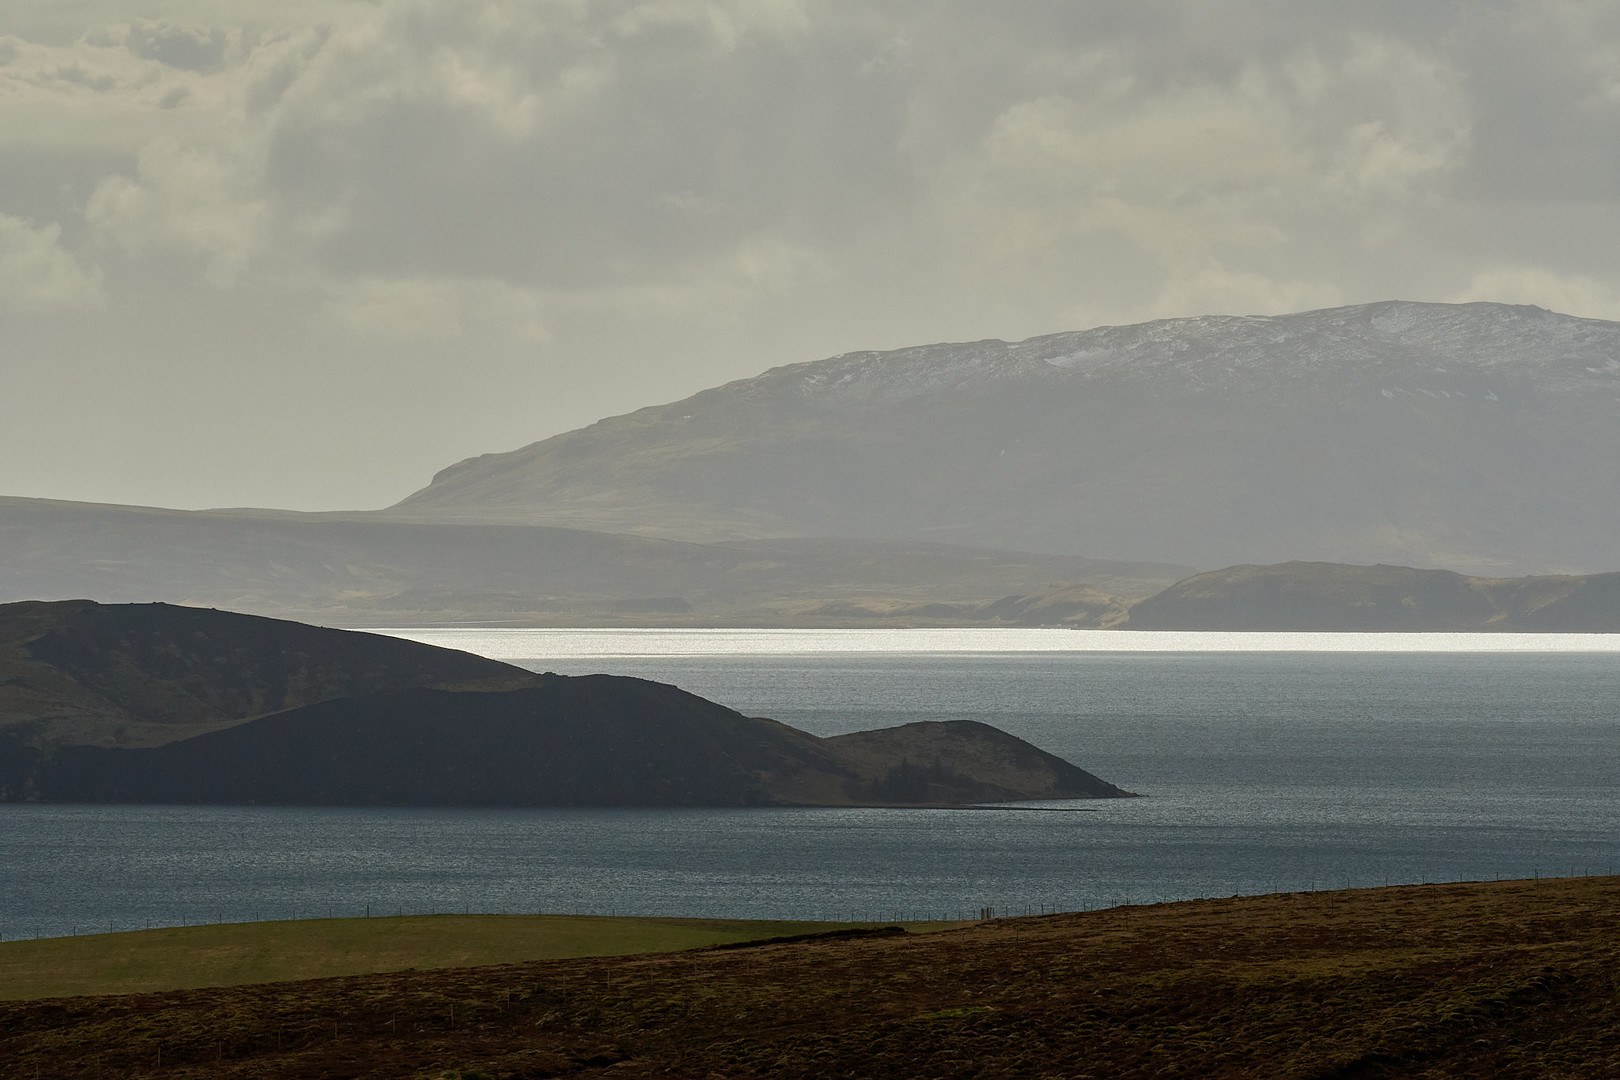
(151, 703)
(1481, 437)
(1327, 596)
(366, 570)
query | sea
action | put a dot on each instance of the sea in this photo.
(1265, 762)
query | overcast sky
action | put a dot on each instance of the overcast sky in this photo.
(304, 254)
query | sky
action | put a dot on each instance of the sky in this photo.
(304, 254)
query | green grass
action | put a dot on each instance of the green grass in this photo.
(233, 954)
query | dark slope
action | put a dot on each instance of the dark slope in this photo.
(153, 703)
(141, 674)
(588, 741)
(959, 761)
(1511, 980)
(1329, 596)
(1481, 437)
(355, 569)
(595, 740)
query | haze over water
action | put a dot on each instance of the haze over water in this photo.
(1284, 766)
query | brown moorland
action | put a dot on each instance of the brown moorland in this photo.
(1505, 979)
(236, 954)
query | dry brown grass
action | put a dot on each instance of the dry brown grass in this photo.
(1509, 979)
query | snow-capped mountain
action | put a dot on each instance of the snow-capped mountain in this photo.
(1479, 437)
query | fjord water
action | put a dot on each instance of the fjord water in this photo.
(1270, 762)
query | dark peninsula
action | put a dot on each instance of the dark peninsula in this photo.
(156, 703)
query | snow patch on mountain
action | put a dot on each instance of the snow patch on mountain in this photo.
(1398, 346)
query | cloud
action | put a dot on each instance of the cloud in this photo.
(442, 310)
(97, 96)
(194, 201)
(189, 48)
(1211, 287)
(1572, 294)
(1545, 81)
(562, 146)
(617, 145)
(37, 274)
(1117, 187)
(581, 144)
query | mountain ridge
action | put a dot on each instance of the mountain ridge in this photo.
(1421, 434)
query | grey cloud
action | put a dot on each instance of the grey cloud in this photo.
(36, 273)
(77, 75)
(52, 185)
(587, 162)
(583, 146)
(1547, 96)
(594, 155)
(184, 47)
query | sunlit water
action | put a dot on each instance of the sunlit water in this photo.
(522, 644)
(1268, 763)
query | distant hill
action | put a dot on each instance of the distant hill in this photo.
(150, 703)
(1480, 437)
(145, 674)
(366, 570)
(1329, 596)
(594, 740)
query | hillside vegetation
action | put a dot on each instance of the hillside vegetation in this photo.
(1507, 979)
(236, 954)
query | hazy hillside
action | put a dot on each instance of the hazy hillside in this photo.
(1328, 596)
(356, 569)
(1481, 437)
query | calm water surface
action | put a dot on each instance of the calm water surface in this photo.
(1287, 768)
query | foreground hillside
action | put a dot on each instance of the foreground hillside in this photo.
(148, 703)
(1480, 437)
(1331, 596)
(237, 954)
(1509, 979)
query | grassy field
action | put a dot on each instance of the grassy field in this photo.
(233, 954)
(1496, 979)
